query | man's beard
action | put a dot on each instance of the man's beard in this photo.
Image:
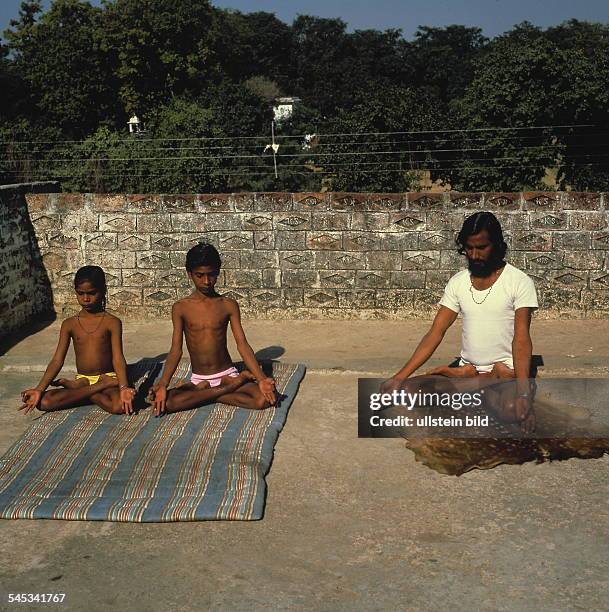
(482, 269)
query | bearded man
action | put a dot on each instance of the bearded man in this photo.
(496, 301)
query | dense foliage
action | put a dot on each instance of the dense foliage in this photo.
(526, 110)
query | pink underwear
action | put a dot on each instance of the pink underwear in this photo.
(214, 380)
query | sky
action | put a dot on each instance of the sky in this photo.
(493, 16)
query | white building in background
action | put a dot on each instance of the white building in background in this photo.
(283, 108)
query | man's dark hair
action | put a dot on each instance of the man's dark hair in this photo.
(203, 254)
(478, 222)
(94, 275)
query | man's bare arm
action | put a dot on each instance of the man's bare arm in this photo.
(429, 343)
(522, 349)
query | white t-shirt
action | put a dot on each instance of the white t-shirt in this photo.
(488, 327)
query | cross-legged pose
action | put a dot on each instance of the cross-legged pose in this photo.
(203, 319)
(98, 349)
(496, 301)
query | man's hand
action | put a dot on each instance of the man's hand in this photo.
(524, 411)
(267, 388)
(160, 398)
(391, 384)
(126, 395)
(31, 399)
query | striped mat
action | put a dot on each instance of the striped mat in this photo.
(204, 464)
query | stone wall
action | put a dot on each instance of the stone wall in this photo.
(25, 290)
(336, 255)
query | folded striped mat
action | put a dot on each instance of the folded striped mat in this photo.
(203, 464)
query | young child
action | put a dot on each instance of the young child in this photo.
(203, 319)
(98, 348)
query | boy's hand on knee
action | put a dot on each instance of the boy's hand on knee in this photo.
(30, 398)
(126, 395)
(160, 399)
(267, 388)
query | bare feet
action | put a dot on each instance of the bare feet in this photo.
(464, 371)
(69, 383)
(106, 382)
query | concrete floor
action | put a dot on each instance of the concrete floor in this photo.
(350, 523)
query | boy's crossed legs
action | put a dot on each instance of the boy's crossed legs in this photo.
(104, 393)
(233, 390)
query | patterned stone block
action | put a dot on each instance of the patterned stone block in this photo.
(599, 280)
(366, 279)
(266, 298)
(532, 241)
(324, 240)
(124, 296)
(434, 241)
(256, 222)
(109, 222)
(451, 259)
(560, 298)
(285, 240)
(311, 201)
(420, 260)
(60, 240)
(548, 220)
(143, 204)
(179, 203)
(39, 202)
(296, 259)
(541, 262)
(361, 241)
(153, 259)
(514, 220)
(82, 221)
(45, 222)
(339, 260)
(469, 201)
(235, 240)
(425, 201)
(293, 296)
(292, 221)
(169, 242)
(160, 295)
(111, 259)
(109, 202)
(105, 241)
(347, 202)
(241, 295)
(321, 298)
(570, 278)
(133, 242)
(190, 239)
(501, 201)
(540, 200)
(337, 278)
(138, 277)
(406, 222)
(171, 278)
(215, 203)
(216, 222)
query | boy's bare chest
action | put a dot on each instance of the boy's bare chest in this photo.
(85, 339)
(201, 318)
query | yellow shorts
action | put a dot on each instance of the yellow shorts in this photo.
(95, 378)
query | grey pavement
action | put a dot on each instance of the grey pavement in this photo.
(350, 523)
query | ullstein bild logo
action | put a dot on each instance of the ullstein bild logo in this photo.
(435, 407)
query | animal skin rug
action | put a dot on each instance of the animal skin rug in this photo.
(563, 431)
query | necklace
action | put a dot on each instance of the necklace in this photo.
(90, 333)
(471, 289)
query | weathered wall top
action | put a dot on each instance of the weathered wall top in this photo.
(321, 254)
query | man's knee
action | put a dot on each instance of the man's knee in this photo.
(260, 402)
(500, 370)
